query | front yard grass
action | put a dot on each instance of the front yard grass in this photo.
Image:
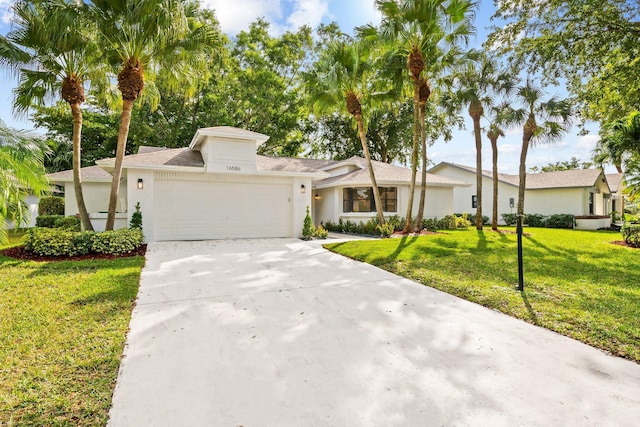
(576, 282)
(62, 331)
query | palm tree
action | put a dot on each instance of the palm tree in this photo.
(493, 134)
(542, 122)
(141, 37)
(21, 173)
(478, 85)
(342, 78)
(58, 39)
(425, 32)
(619, 140)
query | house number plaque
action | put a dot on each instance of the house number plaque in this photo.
(233, 168)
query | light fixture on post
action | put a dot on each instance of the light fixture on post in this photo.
(303, 189)
(140, 184)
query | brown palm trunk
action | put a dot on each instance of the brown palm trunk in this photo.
(475, 111)
(372, 175)
(528, 132)
(123, 133)
(423, 181)
(494, 152)
(414, 155)
(76, 112)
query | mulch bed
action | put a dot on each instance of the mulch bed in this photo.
(622, 243)
(18, 252)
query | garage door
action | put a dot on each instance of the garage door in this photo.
(207, 206)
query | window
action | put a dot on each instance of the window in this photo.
(474, 201)
(360, 199)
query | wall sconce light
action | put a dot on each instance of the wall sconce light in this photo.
(303, 189)
(316, 197)
(140, 184)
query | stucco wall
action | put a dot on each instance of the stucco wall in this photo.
(96, 197)
(438, 203)
(462, 195)
(556, 201)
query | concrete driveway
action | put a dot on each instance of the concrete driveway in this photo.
(280, 332)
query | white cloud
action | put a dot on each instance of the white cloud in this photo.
(6, 13)
(588, 142)
(236, 15)
(307, 12)
(507, 148)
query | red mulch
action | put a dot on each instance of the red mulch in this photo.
(622, 243)
(18, 252)
(422, 233)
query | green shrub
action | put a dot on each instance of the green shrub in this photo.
(510, 218)
(385, 230)
(535, 220)
(61, 242)
(48, 221)
(71, 223)
(396, 222)
(136, 218)
(448, 222)
(631, 219)
(51, 206)
(370, 227)
(117, 241)
(307, 227)
(560, 221)
(462, 221)
(331, 226)
(321, 232)
(430, 224)
(631, 235)
(58, 242)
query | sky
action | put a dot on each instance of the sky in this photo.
(284, 15)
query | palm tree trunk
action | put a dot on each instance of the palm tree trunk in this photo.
(494, 152)
(414, 156)
(478, 137)
(423, 182)
(76, 112)
(123, 133)
(523, 173)
(372, 175)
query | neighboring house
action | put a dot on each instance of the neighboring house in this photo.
(31, 201)
(616, 185)
(218, 187)
(584, 193)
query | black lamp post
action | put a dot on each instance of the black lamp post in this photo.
(520, 269)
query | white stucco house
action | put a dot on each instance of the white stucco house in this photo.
(583, 193)
(616, 185)
(219, 187)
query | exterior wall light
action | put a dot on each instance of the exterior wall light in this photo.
(140, 184)
(303, 189)
(316, 197)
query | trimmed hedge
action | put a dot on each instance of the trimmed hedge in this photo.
(539, 220)
(48, 221)
(62, 242)
(631, 235)
(51, 206)
(71, 223)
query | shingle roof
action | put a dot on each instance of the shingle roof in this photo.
(563, 179)
(289, 164)
(90, 173)
(614, 180)
(168, 157)
(544, 180)
(384, 172)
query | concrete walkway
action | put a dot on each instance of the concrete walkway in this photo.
(281, 332)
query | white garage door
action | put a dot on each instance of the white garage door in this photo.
(206, 206)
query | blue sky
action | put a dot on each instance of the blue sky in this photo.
(235, 15)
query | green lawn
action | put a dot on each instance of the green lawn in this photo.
(62, 332)
(576, 282)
